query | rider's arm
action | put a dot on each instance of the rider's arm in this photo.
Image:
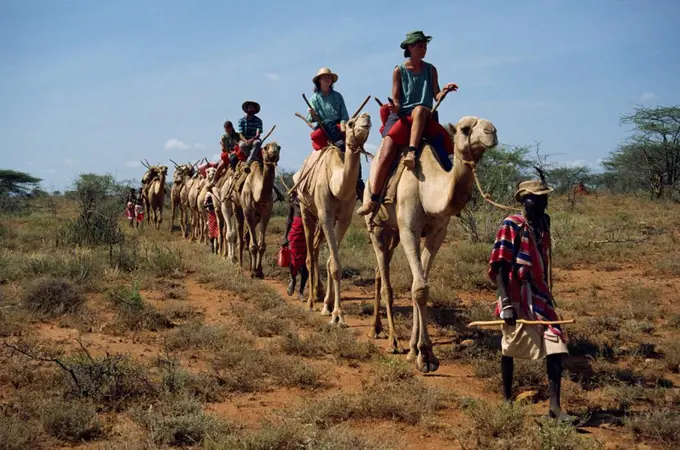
(396, 86)
(435, 84)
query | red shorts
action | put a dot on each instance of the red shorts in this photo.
(234, 150)
(319, 139)
(400, 129)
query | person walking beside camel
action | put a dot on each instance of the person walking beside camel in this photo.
(518, 265)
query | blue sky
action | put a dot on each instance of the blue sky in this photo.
(95, 86)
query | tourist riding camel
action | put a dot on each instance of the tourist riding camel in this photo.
(518, 265)
(330, 114)
(231, 151)
(250, 132)
(415, 85)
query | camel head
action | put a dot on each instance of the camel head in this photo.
(163, 170)
(210, 174)
(357, 130)
(473, 136)
(181, 174)
(271, 153)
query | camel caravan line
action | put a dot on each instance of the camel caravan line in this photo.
(421, 176)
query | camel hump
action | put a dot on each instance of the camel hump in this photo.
(426, 152)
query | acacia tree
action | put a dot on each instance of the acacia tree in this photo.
(13, 182)
(650, 158)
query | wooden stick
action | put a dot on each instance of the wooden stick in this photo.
(268, 134)
(316, 117)
(361, 107)
(283, 182)
(176, 165)
(378, 101)
(439, 102)
(492, 323)
(305, 119)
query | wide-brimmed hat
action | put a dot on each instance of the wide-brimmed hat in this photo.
(325, 71)
(536, 187)
(244, 107)
(414, 37)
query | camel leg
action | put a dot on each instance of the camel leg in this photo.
(309, 225)
(420, 345)
(326, 310)
(160, 217)
(335, 272)
(230, 220)
(318, 241)
(240, 225)
(377, 328)
(173, 208)
(251, 226)
(384, 244)
(433, 242)
(262, 245)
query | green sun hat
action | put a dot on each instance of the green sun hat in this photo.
(414, 37)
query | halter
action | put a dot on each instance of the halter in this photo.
(473, 167)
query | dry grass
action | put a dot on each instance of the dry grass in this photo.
(622, 345)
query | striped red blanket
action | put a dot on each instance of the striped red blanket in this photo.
(528, 287)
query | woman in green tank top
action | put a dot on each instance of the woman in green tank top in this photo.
(415, 86)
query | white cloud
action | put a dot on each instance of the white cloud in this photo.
(69, 161)
(133, 164)
(273, 76)
(175, 144)
(647, 96)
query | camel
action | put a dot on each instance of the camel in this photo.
(179, 178)
(243, 211)
(425, 200)
(221, 222)
(154, 197)
(203, 214)
(327, 198)
(194, 207)
(185, 201)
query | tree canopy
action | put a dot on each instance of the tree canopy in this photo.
(650, 158)
(13, 182)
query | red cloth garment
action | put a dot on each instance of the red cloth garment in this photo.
(130, 210)
(528, 287)
(139, 210)
(202, 168)
(385, 110)
(319, 139)
(400, 132)
(213, 230)
(297, 244)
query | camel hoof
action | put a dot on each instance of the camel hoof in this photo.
(377, 335)
(259, 274)
(394, 350)
(338, 321)
(412, 355)
(301, 297)
(427, 365)
(326, 312)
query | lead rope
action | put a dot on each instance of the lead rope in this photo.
(487, 197)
